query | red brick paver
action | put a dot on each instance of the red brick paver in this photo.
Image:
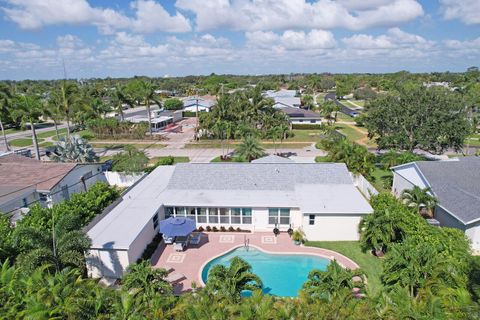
(213, 244)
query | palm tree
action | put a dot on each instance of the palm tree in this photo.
(275, 133)
(145, 90)
(419, 199)
(118, 97)
(219, 128)
(52, 111)
(28, 108)
(68, 97)
(249, 149)
(151, 281)
(230, 281)
(64, 246)
(329, 283)
(327, 108)
(377, 230)
(5, 99)
(73, 149)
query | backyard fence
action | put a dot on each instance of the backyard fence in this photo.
(121, 179)
(364, 186)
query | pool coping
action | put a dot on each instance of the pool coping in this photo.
(331, 258)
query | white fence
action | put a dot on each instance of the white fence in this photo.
(363, 185)
(121, 179)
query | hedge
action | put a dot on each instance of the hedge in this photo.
(307, 126)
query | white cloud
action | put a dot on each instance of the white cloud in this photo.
(291, 40)
(149, 16)
(394, 39)
(261, 15)
(467, 11)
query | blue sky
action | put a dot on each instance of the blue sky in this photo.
(174, 38)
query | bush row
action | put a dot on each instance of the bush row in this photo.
(221, 229)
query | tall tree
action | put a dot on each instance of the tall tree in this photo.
(68, 97)
(5, 99)
(28, 108)
(118, 97)
(143, 90)
(431, 119)
(249, 149)
(418, 199)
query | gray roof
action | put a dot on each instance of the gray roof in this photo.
(456, 184)
(273, 159)
(256, 176)
(300, 113)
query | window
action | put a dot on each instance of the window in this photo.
(272, 216)
(279, 216)
(168, 212)
(246, 215)
(43, 196)
(25, 202)
(155, 221)
(311, 219)
(201, 215)
(236, 212)
(180, 212)
(213, 215)
(224, 215)
(190, 213)
(313, 121)
(285, 216)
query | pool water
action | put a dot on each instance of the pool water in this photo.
(282, 274)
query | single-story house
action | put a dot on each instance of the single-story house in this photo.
(301, 116)
(456, 185)
(203, 103)
(284, 98)
(26, 181)
(160, 119)
(319, 198)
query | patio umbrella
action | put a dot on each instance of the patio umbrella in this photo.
(177, 227)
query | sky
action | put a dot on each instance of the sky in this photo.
(162, 38)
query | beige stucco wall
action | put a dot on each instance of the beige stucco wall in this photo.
(107, 263)
(332, 227)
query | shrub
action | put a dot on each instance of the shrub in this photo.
(151, 247)
(200, 229)
(208, 228)
(189, 114)
(223, 229)
(238, 229)
(114, 129)
(231, 229)
(173, 104)
(214, 229)
(307, 126)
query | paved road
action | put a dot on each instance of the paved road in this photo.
(343, 108)
(26, 133)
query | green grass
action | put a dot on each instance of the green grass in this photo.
(378, 174)
(349, 132)
(305, 136)
(473, 142)
(47, 144)
(351, 102)
(215, 144)
(12, 130)
(343, 117)
(105, 158)
(154, 160)
(368, 263)
(52, 133)
(24, 142)
(322, 159)
(122, 145)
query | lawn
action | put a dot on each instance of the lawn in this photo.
(370, 265)
(379, 174)
(305, 136)
(215, 144)
(52, 133)
(154, 160)
(351, 103)
(122, 145)
(349, 132)
(24, 142)
(343, 117)
(322, 159)
(12, 130)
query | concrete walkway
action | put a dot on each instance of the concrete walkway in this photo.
(190, 263)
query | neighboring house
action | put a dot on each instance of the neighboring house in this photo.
(299, 116)
(26, 181)
(160, 119)
(456, 185)
(202, 103)
(318, 198)
(284, 98)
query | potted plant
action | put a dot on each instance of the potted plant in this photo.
(298, 237)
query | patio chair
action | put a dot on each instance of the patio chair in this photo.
(179, 246)
(195, 238)
(175, 277)
(167, 239)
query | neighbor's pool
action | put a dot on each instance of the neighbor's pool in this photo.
(282, 274)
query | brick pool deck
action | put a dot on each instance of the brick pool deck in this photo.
(213, 244)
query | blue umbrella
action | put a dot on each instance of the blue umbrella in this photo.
(177, 227)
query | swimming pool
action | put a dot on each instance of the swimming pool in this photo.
(282, 274)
